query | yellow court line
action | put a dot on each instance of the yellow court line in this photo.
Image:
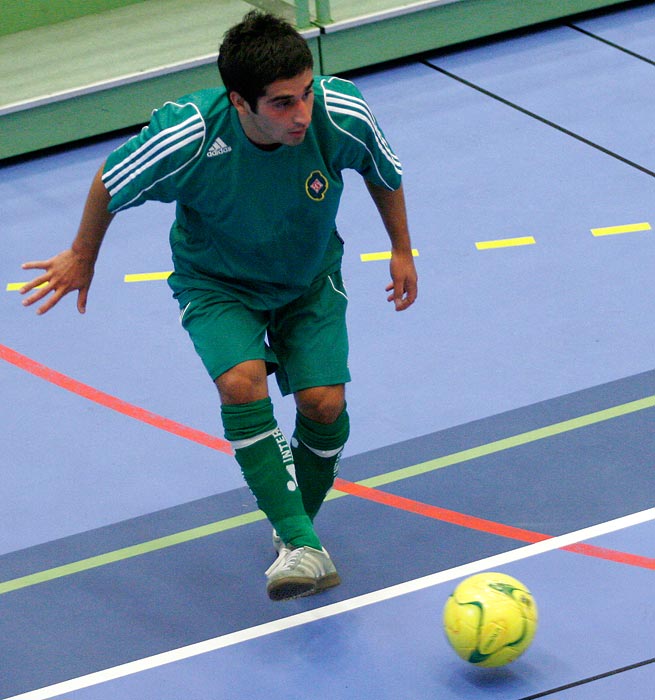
(628, 228)
(505, 243)
(147, 276)
(384, 255)
(15, 286)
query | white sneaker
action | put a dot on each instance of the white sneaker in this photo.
(300, 572)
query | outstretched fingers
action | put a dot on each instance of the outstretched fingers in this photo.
(62, 274)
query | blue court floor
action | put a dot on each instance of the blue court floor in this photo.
(505, 422)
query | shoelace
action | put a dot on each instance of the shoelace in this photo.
(290, 561)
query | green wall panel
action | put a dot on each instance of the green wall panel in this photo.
(19, 15)
(337, 50)
(101, 112)
(97, 113)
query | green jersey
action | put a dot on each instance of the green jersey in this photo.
(252, 224)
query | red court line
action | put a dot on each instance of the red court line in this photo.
(494, 528)
(202, 438)
(449, 516)
(100, 397)
(611, 555)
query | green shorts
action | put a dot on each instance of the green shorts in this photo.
(305, 342)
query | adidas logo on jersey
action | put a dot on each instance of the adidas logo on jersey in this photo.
(219, 148)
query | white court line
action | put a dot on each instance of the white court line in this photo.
(344, 606)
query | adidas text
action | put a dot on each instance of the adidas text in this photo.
(219, 148)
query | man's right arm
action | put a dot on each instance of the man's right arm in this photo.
(73, 268)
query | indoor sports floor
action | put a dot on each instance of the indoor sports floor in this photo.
(505, 422)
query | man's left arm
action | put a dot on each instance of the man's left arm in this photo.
(391, 205)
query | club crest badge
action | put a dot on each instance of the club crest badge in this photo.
(316, 186)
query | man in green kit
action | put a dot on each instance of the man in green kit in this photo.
(255, 169)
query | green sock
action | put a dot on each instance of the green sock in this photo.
(267, 465)
(317, 448)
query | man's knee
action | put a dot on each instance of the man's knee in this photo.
(243, 383)
(322, 404)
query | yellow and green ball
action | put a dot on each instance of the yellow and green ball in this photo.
(490, 619)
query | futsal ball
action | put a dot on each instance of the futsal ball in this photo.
(490, 619)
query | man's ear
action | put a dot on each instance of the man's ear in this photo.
(239, 103)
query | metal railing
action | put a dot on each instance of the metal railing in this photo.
(298, 12)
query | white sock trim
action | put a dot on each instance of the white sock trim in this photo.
(240, 444)
(326, 454)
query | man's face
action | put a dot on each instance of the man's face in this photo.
(284, 112)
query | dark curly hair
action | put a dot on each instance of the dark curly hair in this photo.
(259, 50)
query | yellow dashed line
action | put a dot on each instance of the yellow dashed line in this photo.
(505, 243)
(384, 255)
(613, 230)
(147, 277)
(15, 286)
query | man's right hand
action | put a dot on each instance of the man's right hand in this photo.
(62, 274)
